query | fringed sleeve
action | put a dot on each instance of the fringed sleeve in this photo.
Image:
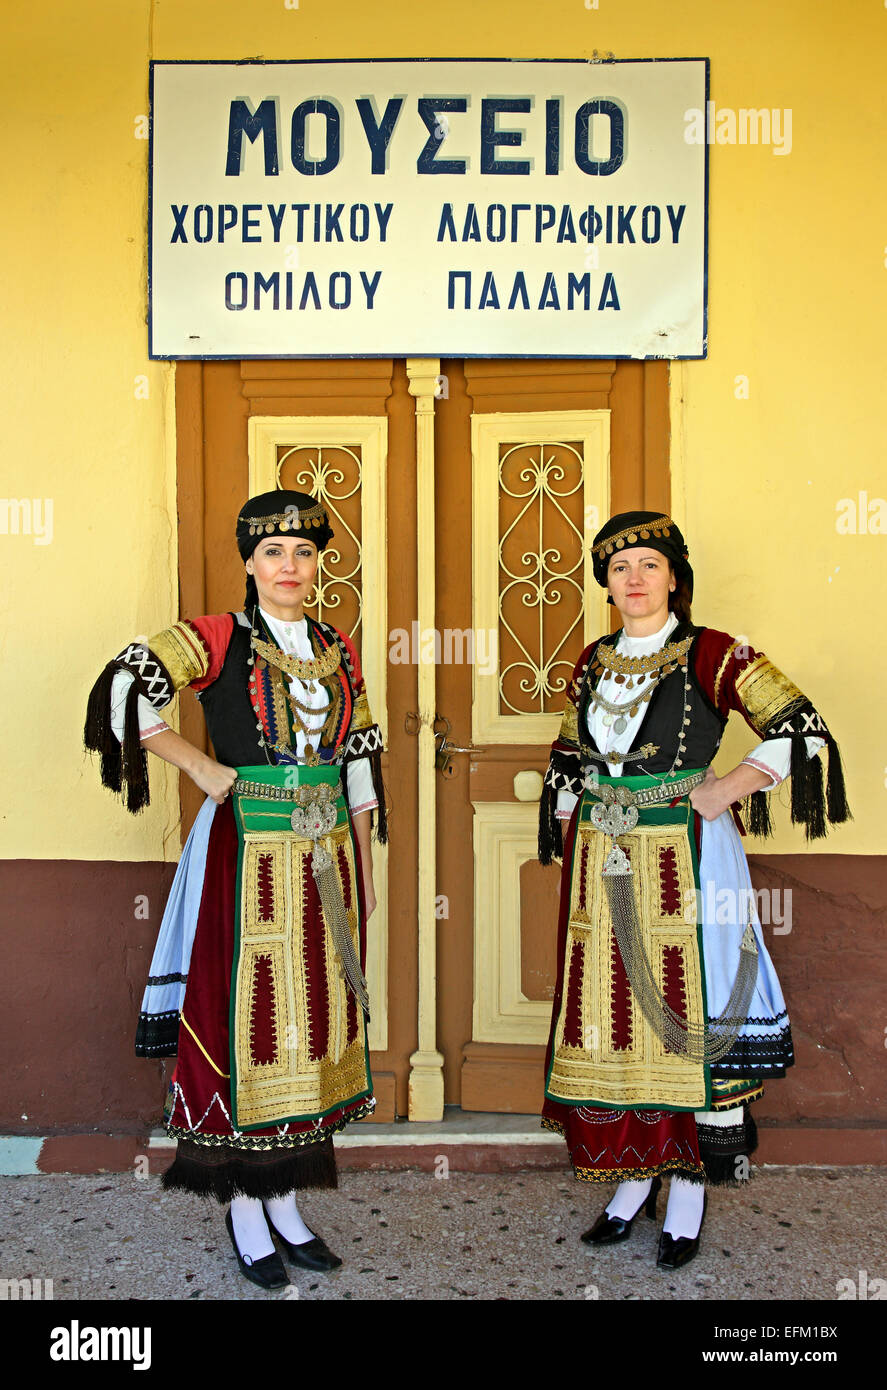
(564, 768)
(744, 680)
(364, 737)
(171, 660)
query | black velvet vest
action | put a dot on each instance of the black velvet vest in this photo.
(663, 719)
(230, 717)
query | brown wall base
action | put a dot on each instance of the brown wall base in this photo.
(83, 946)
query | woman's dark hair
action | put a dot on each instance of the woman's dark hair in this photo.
(679, 601)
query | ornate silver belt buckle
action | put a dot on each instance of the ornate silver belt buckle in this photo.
(314, 817)
(613, 820)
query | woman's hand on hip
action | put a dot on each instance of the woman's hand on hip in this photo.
(708, 798)
(215, 779)
(716, 794)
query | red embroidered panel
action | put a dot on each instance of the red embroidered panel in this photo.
(620, 1000)
(583, 870)
(262, 1029)
(573, 1019)
(314, 938)
(673, 984)
(265, 876)
(669, 888)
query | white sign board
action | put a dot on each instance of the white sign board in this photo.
(407, 208)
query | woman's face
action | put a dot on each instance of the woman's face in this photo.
(640, 582)
(284, 568)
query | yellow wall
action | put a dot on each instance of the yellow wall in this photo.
(796, 304)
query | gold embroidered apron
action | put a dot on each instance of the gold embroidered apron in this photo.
(605, 1052)
(280, 1004)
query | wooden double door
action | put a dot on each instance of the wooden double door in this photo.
(464, 497)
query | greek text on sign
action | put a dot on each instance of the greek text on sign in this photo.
(407, 208)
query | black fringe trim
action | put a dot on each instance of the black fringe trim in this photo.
(695, 1176)
(224, 1172)
(758, 814)
(720, 1163)
(124, 767)
(836, 794)
(135, 759)
(381, 817)
(810, 806)
(157, 1035)
(551, 840)
(808, 802)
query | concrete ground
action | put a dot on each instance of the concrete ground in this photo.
(793, 1233)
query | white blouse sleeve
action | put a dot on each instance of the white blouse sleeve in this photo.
(566, 802)
(774, 757)
(149, 720)
(361, 796)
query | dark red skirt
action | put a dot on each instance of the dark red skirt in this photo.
(212, 1159)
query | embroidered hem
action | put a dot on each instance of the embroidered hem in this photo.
(264, 1142)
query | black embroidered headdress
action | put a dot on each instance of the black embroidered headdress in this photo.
(651, 530)
(279, 513)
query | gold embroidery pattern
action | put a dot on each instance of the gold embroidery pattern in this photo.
(765, 694)
(295, 1083)
(361, 717)
(182, 653)
(278, 703)
(671, 1165)
(723, 666)
(569, 732)
(725, 1095)
(644, 1073)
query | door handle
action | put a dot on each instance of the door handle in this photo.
(445, 749)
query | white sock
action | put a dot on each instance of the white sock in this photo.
(250, 1229)
(628, 1199)
(683, 1216)
(285, 1215)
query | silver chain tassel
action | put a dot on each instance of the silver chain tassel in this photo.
(327, 881)
(315, 817)
(697, 1044)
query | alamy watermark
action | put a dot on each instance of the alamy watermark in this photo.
(26, 1290)
(722, 125)
(734, 907)
(861, 516)
(26, 516)
(454, 646)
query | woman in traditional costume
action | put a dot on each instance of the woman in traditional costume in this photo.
(668, 1016)
(257, 982)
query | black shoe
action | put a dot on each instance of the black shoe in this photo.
(675, 1251)
(268, 1272)
(313, 1254)
(607, 1230)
